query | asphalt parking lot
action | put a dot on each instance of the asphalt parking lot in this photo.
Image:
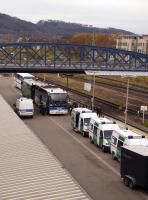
(94, 170)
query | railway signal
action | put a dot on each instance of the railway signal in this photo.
(143, 109)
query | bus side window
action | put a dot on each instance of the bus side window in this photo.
(81, 122)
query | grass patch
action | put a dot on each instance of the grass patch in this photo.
(139, 81)
(145, 124)
(139, 120)
(79, 86)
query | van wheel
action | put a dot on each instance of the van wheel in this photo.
(91, 141)
(126, 181)
(113, 156)
(131, 184)
(83, 134)
(103, 148)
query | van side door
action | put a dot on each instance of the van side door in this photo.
(100, 138)
(81, 125)
(119, 145)
(95, 135)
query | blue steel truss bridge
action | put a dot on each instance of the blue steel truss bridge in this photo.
(61, 58)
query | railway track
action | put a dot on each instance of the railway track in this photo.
(108, 108)
(124, 83)
(139, 92)
(98, 101)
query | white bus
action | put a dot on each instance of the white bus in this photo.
(49, 98)
(19, 77)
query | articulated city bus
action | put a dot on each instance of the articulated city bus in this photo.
(50, 98)
(20, 77)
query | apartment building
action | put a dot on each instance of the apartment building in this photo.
(133, 43)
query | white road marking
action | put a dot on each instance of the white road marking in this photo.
(88, 149)
(28, 170)
(93, 153)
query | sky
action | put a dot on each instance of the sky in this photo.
(130, 15)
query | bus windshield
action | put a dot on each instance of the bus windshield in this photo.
(56, 97)
(107, 134)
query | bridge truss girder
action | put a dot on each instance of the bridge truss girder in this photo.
(56, 57)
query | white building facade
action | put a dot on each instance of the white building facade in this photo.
(133, 43)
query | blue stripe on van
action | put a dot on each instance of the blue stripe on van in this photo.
(26, 110)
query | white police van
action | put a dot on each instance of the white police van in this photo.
(24, 107)
(125, 137)
(80, 119)
(100, 132)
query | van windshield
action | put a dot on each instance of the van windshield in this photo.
(86, 121)
(107, 134)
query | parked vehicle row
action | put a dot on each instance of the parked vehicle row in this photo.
(129, 148)
(111, 138)
(49, 98)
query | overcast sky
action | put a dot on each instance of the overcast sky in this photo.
(131, 15)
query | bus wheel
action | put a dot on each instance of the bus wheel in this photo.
(126, 181)
(113, 156)
(131, 184)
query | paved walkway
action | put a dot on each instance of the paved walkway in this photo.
(28, 171)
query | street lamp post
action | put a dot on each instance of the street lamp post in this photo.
(67, 81)
(126, 107)
(93, 95)
(44, 77)
(93, 91)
